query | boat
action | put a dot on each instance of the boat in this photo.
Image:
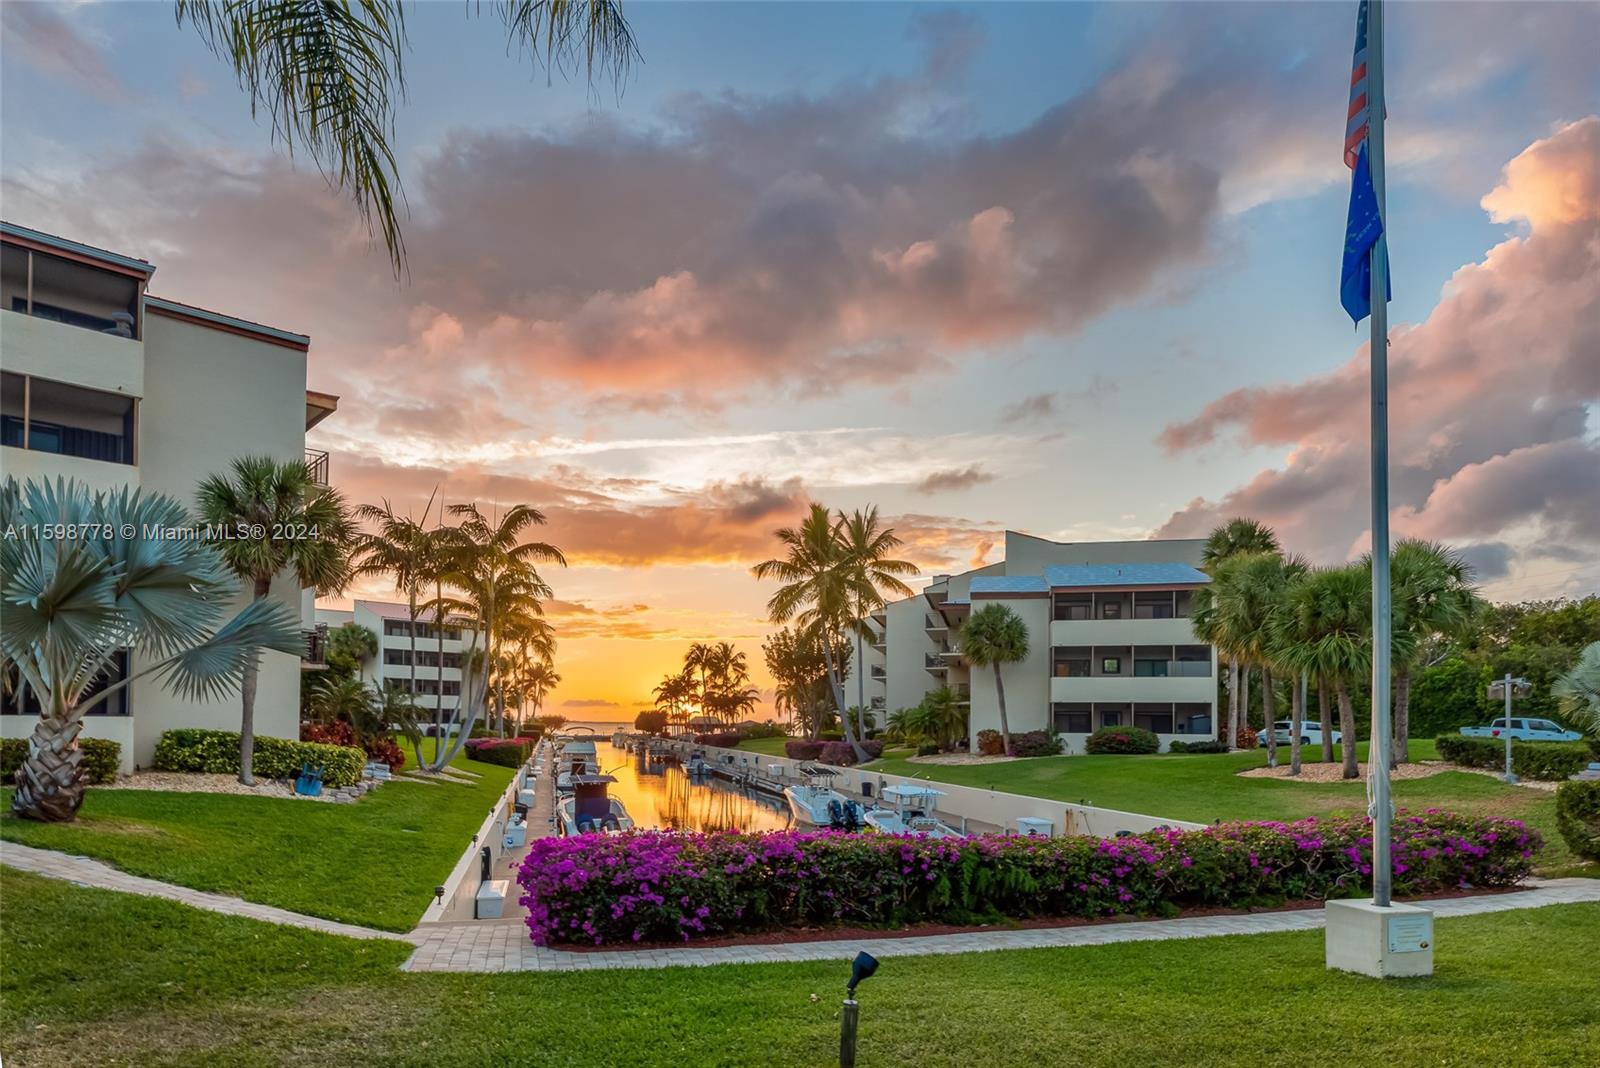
(590, 809)
(697, 765)
(814, 803)
(911, 814)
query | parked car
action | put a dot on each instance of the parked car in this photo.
(1524, 730)
(1310, 733)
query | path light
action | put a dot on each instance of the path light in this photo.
(438, 893)
(861, 968)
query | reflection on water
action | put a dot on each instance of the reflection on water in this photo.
(659, 794)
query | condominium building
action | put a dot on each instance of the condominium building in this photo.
(1110, 641)
(105, 383)
(436, 682)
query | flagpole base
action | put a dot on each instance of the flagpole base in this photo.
(1385, 943)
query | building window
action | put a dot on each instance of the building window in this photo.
(1071, 606)
(68, 292)
(1071, 718)
(1156, 718)
(396, 628)
(20, 700)
(1111, 665)
(1112, 715)
(1110, 609)
(400, 657)
(1150, 668)
(1069, 663)
(48, 416)
(452, 687)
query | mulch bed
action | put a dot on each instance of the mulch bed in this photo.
(922, 930)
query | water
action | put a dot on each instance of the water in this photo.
(659, 794)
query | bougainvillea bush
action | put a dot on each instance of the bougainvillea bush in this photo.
(655, 886)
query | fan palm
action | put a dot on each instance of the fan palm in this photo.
(1578, 691)
(280, 520)
(1253, 586)
(1433, 596)
(329, 76)
(1239, 536)
(70, 604)
(994, 636)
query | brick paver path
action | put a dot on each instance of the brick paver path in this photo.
(87, 872)
(503, 948)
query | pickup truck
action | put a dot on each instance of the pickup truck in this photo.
(1524, 730)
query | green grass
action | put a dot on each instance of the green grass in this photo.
(98, 978)
(374, 862)
(1205, 788)
(768, 746)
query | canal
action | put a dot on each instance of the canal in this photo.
(659, 794)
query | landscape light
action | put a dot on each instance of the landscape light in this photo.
(861, 968)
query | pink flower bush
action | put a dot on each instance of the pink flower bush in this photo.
(663, 886)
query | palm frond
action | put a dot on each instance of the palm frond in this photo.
(216, 666)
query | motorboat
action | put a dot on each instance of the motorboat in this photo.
(911, 812)
(814, 803)
(697, 766)
(578, 757)
(590, 809)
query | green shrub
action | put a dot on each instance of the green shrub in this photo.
(1035, 744)
(193, 749)
(830, 736)
(1207, 746)
(1578, 817)
(927, 749)
(1122, 740)
(1550, 761)
(101, 758)
(990, 743)
(506, 752)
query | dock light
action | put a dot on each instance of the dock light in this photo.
(861, 968)
(438, 893)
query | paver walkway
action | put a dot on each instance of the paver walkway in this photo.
(85, 871)
(501, 948)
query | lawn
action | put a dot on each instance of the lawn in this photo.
(374, 862)
(767, 746)
(99, 978)
(1205, 788)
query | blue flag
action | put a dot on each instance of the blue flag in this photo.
(1362, 229)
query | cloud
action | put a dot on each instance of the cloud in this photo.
(1036, 406)
(588, 702)
(1489, 397)
(956, 478)
(38, 34)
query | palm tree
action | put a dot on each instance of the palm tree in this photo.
(1329, 612)
(672, 695)
(279, 520)
(1237, 537)
(795, 660)
(1253, 586)
(1579, 690)
(329, 76)
(1433, 596)
(71, 604)
(403, 550)
(873, 573)
(1283, 638)
(995, 635)
(498, 576)
(818, 592)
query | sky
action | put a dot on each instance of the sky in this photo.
(1070, 269)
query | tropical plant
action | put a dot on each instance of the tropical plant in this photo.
(329, 77)
(1239, 536)
(994, 636)
(71, 602)
(1252, 587)
(348, 646)
(651, 721)
(874, 572)
(278, 520)
(794, 659)
(1432, 596)
(1579, 691)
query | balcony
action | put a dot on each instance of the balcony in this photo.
(935, 662)
(314, 652)
(317, 464)
(877, 674)
(1133, 688)
(963, 692)
(934, 624)
(1121, 632)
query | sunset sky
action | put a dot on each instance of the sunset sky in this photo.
(1067, 269)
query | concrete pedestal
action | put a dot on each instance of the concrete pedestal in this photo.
(1385, 943)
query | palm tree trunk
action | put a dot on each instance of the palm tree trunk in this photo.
(1233, 705)
(1402, 715)
(1000, 696)
(1297, 717)
(247, 701)
(438, 700)
(1347, 728)
(836, 684)
(50, 781)
(1326, 716)
(1269, 707)
(1244, 695)
(413, 610)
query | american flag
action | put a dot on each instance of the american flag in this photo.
(1355, 130)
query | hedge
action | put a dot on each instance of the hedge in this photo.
(505, 752)
(666, 886)
(1122, 740)
(217, 753)
(101, 758)
(1207, 746)
(1035, 744)
(1578, 817)
(1550, 761)
(840, 755)
(802, 749)
(722, 739)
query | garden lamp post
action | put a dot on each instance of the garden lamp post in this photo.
(860, 968)
(1507, 688)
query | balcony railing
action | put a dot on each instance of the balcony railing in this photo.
(1172, 669)
(317, 464)
(931, 622)
(314, 653)
(934, 661)
(878, 674)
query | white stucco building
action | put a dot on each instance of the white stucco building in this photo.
(102, 382)
(1109, 641)
(438, 683)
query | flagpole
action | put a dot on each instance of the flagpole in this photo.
(1378, 752)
